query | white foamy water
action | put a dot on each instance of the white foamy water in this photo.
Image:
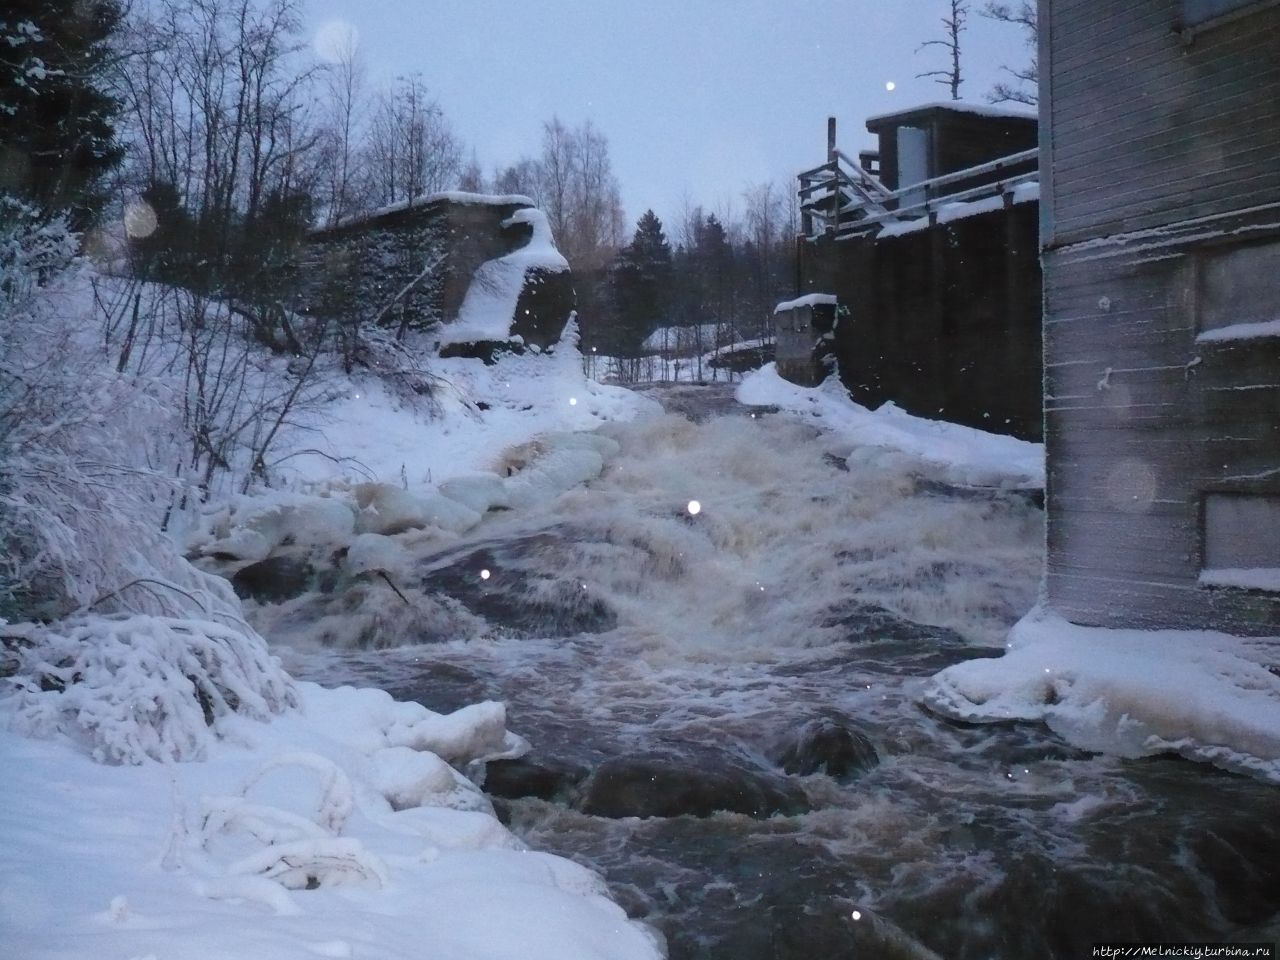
(782, 543)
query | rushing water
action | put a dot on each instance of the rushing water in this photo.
(614, 622)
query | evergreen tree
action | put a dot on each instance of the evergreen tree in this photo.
(57, 134)
(641, 286)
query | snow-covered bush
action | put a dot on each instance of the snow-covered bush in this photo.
(131, 688)
(140, 653)
(81, 498)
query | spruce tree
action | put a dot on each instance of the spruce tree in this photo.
(641, 285)
(57, 133)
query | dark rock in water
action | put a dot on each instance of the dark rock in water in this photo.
(661, 787)
(273, 579)
(519, 598)
(827, 746)
(545, 780)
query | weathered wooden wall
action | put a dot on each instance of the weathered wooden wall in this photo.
(1158, 155)
(944, 321)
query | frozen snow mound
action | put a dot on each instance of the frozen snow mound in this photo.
(1206, 696)
(555, 463)
(251, 528)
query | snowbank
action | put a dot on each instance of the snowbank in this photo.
(369, 433)
(1207, 696)
(965, 456)
(320, 834)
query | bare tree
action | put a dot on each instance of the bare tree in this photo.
(522, 177)
(953, 25)
(216, 99)
(471, 179)
(1024, 86)
(411, 147)
(344, 82)
(575, 185)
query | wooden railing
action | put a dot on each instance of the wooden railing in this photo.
(840, 197)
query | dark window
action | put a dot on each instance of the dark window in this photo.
(1241, 541)
(1195, 12)
(1238, 286)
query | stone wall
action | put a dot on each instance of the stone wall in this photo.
(410, 266)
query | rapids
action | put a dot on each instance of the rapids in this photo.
(814, 583)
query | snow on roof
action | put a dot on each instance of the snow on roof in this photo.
(452, 196)
(1205, 695)
(490, 302)
(1003, 111)
(960, 210)
(810, 300)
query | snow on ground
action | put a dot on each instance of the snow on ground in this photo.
(331, 831)
(1207, 696)
(368, 433)
(965, 456)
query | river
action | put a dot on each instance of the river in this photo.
(736, 613)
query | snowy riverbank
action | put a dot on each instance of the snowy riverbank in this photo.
(214, 859)
(331, 823)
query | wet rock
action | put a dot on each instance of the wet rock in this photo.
(662, 787)
(273, 579)
(517, 596)
(543, 779)
(827, 746)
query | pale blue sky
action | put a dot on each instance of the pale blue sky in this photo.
(697, 97)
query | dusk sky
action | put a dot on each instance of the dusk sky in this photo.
(697, 97)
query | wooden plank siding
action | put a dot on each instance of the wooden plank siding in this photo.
(1156, 153)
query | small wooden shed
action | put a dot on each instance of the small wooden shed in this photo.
(804, 329)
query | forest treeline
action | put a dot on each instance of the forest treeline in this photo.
(218, 133)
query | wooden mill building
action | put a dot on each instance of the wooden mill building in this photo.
(929, 245)
(1160, 227)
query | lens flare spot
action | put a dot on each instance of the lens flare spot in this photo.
(857, 914)
(694, 508)
(891, 86)
(573, 401)
(336, 41)
(484, 574)
(139, 219)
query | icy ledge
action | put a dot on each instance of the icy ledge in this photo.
(1207, 696)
